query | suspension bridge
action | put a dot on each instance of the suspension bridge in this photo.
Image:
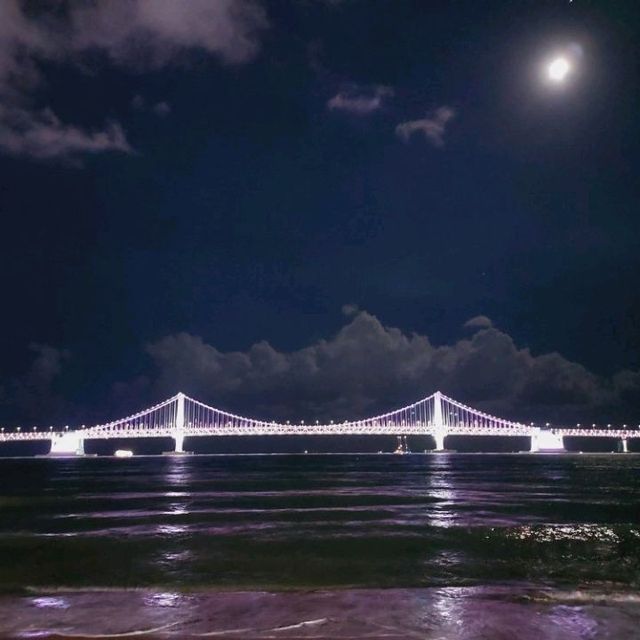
(437, 415)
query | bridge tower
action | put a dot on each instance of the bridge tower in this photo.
(440, 430)
(178, 434)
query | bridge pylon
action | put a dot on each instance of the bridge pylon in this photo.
(178, 433)
(440, 430)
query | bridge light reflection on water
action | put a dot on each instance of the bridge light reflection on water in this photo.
(172, 559)
(442, 490)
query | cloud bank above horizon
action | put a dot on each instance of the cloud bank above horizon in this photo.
(367, 368)
(364, 369)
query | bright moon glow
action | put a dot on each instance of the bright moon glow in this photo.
(558, 69)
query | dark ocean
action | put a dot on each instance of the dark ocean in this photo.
(446, 546)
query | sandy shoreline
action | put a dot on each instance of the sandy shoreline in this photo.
(472, 613)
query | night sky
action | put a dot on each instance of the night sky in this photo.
(319, 209)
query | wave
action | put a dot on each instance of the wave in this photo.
(526, 611)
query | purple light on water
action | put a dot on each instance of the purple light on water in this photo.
(50, 602)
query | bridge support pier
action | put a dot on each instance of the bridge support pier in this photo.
(624, 446)
(546, 441)
(535, 447)
(438, 436)
(67, 444)
(178, 438)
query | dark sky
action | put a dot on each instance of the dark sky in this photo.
(291, 209)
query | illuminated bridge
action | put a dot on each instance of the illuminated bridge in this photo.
(437, 416)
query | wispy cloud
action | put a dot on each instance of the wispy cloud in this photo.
(432, 127)
(138, 102)
(138, 34)
(41, 135)
(162, 109)
(152, 33)
(360, 101)
(478, 322)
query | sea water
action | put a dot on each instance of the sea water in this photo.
(446, 546)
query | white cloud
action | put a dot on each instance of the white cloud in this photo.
(478, 322)
(41, 135)
(151, 33)
(433, 126)
(365, 368)
(350, 309)
(360, 101)
(20, 39)
(140, 34)
(368, 367)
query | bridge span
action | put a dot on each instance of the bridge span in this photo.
(437, 416)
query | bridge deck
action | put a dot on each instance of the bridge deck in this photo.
(436, 415)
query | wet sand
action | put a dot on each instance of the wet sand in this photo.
(469, 613)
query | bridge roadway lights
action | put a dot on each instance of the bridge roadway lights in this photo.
(439, 415)
(546, 441)
(67, 444)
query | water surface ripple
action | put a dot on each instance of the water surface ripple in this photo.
(322, 546)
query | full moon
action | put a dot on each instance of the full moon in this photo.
(558, 69)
